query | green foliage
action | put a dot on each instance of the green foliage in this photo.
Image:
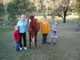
(11, 8)
(1, 9)
(18, 7)
(78, 7)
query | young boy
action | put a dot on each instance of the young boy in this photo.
(54, 35)
(16, 37)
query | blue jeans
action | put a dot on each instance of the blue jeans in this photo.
(17, 44)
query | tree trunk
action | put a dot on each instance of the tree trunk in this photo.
(64, 19)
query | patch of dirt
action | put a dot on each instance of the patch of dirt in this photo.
(77, 29)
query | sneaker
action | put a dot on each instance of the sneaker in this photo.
(20, 48)
(25, 48)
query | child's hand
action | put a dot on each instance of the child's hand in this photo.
(55, 30)
(17, 40)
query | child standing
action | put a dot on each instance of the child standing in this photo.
(54, 35)
(44, 29)
(16, 37)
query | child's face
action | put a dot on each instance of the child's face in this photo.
(56, 23)
(16, 28)
(44, 19)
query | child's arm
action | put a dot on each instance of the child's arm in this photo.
(53, 29)
(40, 22)
(57, 29)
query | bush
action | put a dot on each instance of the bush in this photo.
(18, 7)
(78, 7)
(1, 10)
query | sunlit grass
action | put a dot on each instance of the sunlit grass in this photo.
(69, 17)
(41, 17)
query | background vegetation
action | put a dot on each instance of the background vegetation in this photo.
(65, 11)
(10, 10)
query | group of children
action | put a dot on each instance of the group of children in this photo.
(54, 35)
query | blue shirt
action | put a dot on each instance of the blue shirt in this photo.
(22, 26)
(54, 33)
(55, 27)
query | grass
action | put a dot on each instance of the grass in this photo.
(67, 45)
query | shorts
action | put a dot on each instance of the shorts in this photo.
(54, 35)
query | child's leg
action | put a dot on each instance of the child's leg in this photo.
(54, 40)
(45, 37)
(43, 41)
(50, 39)
(18, 45)
(15, 44)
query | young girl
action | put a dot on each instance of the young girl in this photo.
(16, 37)
(44, 29)
(54, 35)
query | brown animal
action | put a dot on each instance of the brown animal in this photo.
(33, 28)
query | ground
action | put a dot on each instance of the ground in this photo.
(67, 45)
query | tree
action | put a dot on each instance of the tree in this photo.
(63, 9)
(37, 4)
(58, 7)
(1, 9)
(12, 12)
(18, 7)
(78, 7)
